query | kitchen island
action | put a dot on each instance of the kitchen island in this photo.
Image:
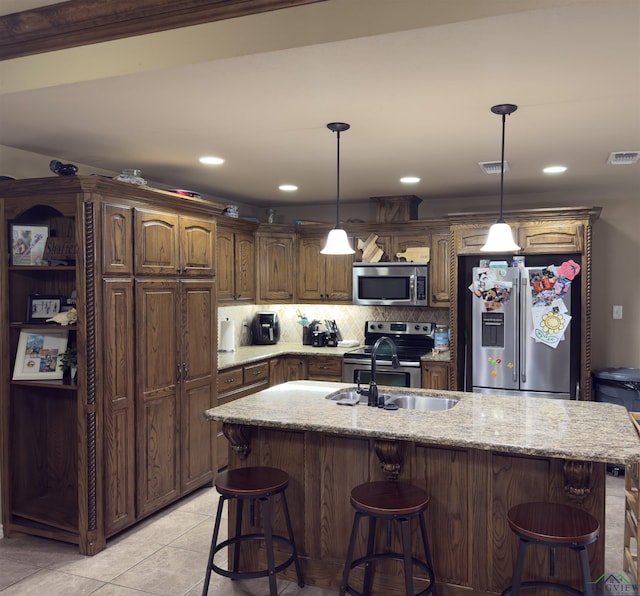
(475, 460)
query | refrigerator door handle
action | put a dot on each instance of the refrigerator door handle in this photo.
(524, 316)
(516, 301)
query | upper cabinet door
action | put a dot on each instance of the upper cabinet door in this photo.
(245, 255)
(310, 269)
(549, 238)
(156, 245)
(275, 256)
(197, 247)
(439, 269)
(117, 232)
(338, 278)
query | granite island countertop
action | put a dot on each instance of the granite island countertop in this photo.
(248, 354)
(590, 431)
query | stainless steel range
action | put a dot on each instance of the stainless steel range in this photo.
(413, 340)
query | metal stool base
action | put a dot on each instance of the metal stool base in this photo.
(405, 556)
(267, 537)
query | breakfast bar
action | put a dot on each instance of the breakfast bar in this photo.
(476, 460)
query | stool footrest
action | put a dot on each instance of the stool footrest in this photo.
(394, 557)
(251, 574)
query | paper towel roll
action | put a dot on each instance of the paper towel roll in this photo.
(227, 336)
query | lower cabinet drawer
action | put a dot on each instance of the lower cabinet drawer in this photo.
(325, 367)
(229, 380)
(254, 373)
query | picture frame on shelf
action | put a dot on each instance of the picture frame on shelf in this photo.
(40, 308)
(38, 354)
(28, 242)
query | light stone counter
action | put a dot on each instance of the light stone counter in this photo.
(247, 354)
(589, 431)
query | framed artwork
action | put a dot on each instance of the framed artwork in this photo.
(40, 308)
(38, 355)
(28, 243)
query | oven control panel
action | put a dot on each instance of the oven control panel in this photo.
(400, 328)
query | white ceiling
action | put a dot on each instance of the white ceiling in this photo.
(414, 78)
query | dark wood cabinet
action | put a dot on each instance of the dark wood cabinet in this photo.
(234, 383)
(435, 375)
(439, 269)
(84, 461)
(275, 267)
(321, 277)
(119, 405)
(171, 244)
(324, 368)
(236, 275)
(287, 368)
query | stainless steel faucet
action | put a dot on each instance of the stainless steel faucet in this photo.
(374, 398)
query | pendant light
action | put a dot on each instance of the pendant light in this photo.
(500, 238)
(337, 241)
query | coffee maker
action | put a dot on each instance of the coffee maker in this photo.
(265, 328)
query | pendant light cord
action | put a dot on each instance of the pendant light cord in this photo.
(501, 219)
(338, 184)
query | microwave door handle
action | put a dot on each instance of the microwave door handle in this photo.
(413, 292)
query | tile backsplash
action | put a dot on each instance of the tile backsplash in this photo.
(349, 318)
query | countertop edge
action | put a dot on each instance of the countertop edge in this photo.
(536, 427)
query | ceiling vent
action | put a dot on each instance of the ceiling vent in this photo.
(492, 167)
(618, 158)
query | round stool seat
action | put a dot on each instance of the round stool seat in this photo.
(251, 482)
(398, 504)
(553, 523)
(389, 498)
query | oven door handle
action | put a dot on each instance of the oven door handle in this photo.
(366, 364)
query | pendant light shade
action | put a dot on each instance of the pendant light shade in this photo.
(337, 240)
(500, 238)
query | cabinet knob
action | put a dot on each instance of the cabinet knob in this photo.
(185, 371)
(178, 373)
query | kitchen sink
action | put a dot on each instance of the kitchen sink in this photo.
(424, 403)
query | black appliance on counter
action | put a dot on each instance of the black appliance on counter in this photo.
(265, 328)
(413, 340)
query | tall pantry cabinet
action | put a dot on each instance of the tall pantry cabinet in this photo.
(81, 462)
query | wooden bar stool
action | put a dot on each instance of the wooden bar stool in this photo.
(392, 501)
(253, 484)
(553, 525)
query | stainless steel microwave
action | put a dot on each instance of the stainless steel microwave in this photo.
(390, 284)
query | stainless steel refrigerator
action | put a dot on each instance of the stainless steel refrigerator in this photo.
(506, 359)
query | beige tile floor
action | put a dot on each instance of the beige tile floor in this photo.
(166, 555)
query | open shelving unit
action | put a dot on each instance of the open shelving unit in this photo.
(41, 415)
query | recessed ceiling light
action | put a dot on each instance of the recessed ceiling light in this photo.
(210, 160)
(554, 169)
(288, 187)
(409, 179)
